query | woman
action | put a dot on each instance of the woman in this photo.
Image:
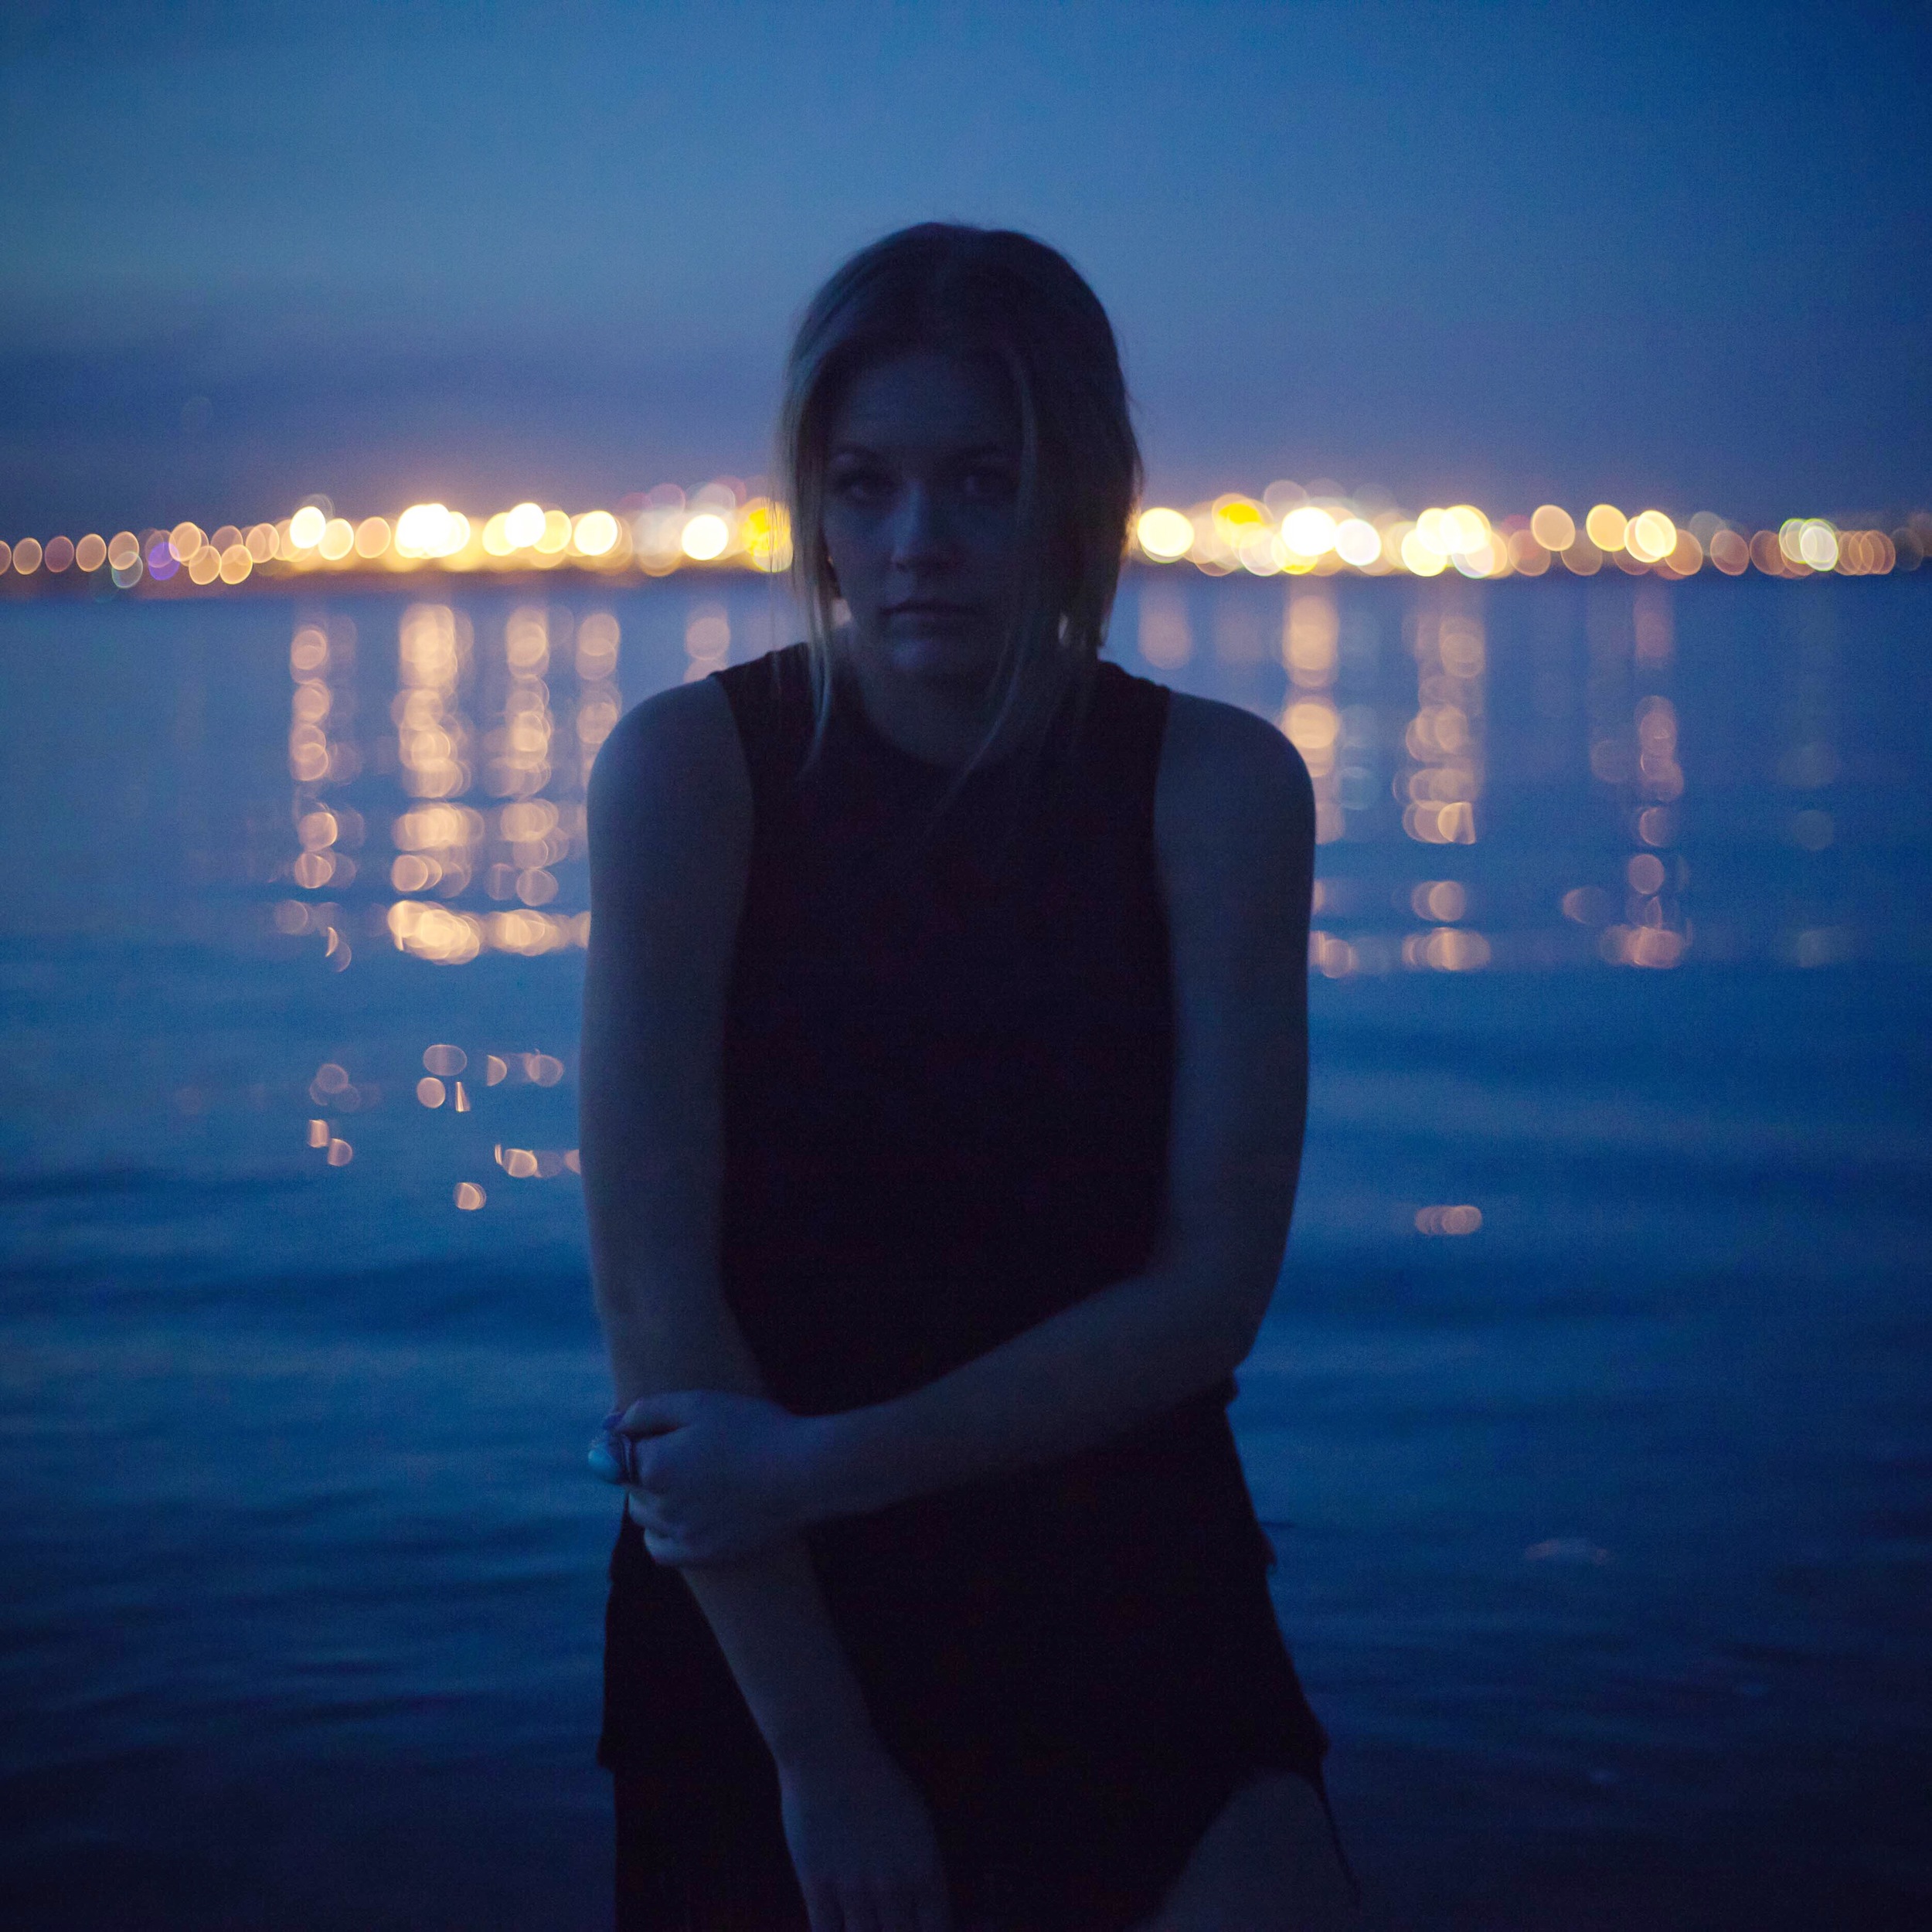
(944, 1060)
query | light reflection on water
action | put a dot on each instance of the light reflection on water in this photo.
(1588, 1421)
(1541, 778)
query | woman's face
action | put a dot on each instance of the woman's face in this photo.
(922, 528)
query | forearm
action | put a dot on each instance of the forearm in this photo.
(766, 1611)
(673, 1331)
(771, 1623)
(1091, 1372)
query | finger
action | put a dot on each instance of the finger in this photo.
(669, 1553)
(653, 1415)
(655, 1519)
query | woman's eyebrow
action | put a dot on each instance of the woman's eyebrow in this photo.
(996, 448)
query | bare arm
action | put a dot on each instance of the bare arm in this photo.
(1235, 830)
(670, 826)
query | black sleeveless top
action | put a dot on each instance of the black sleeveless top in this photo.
(948, 1072)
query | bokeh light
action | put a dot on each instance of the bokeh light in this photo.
(1164, 534)
(1552, 527)
(523, 527)
(1605, 527)
(1312, 531)
(706, 536)
(1650, 536)
(595, 533)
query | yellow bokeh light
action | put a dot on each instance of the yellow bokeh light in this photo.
(431, 530)
(1605, 526)
(469, 1196)
(431, 1091)
(1552, 527)
(523, 526)
(1464, 531)
(1421, 557)
(1164, 534)
(1651, 536)
(1430, 534)
(1817, 543)
(595, 533)
(1308, 532)
(705, 537)
(764, 528)
(1311, 533)
(1235, 517)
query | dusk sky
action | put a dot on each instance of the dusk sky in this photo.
(1673, 255)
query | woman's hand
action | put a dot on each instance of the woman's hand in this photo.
(718, 1476)
(862, 1842)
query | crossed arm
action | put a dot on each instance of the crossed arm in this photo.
(725, 1477)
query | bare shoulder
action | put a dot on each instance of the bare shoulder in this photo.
(1229, 780)
(672, 770)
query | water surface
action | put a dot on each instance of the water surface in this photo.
(1605, 1547)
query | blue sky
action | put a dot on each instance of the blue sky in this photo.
(1673, 254)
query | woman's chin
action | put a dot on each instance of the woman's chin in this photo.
(929, 658)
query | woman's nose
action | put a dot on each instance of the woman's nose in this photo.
(920, 535)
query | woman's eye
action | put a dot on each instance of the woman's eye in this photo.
(860, 486)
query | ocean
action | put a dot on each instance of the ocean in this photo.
(1591, 1422)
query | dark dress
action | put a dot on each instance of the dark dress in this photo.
(948, 1074)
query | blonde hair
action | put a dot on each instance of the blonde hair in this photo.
(1001, 298)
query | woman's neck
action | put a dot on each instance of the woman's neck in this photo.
(936, 722)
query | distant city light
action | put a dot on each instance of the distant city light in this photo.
(523, 526)
(707, 537)
(1552, 527)
(1605, 526)
(1165, 535)
(723, 525)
